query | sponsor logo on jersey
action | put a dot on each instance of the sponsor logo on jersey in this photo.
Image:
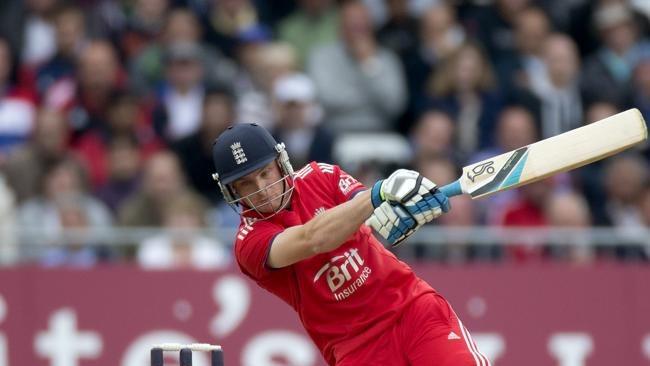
(344, 274)
(346, 183)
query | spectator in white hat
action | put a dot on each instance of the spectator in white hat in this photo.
(298, 117)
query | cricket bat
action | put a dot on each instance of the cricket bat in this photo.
(556, 154)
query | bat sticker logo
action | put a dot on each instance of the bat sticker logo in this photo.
(480, 169)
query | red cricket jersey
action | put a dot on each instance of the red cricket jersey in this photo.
(344, 298)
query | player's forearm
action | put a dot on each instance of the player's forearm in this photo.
(333, 227)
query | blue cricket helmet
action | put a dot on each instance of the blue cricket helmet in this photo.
(240, 150)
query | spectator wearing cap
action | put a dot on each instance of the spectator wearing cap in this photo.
(314, 23)
(298, 120)
(146, 69)
(360, 84)
(180, 97)
(607, 73)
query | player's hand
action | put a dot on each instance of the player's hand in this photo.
(417, 194)
(392, 222)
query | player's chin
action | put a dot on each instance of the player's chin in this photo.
(271, 206)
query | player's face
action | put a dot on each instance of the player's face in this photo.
(262, 189)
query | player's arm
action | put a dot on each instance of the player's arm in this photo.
(399, 204)
(323, 233)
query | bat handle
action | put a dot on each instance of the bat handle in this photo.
(452, 189)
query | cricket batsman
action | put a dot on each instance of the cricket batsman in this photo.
(306, 237)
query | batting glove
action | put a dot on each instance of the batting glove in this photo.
(417, 194)
(392, 222)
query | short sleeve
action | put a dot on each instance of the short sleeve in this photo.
(344, 185)
(252, 247)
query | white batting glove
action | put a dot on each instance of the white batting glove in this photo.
(392, 222)
(417, 194)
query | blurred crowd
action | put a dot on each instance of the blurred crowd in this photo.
(108, 109)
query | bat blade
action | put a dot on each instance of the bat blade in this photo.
(556, 154)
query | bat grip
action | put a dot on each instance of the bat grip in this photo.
(452, 189)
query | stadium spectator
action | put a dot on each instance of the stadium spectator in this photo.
(78, 250)
(433, 136)
(85, 97)
(524, 65)
(314, 23)
(464, 87)
(178, 104)
(264, 62)
(48, 145)
(17, 105)
(30, 27)
(608, 72)
(400, 31)
(195, 150)
(173, 250)
(557, 87)
(624, 179)
(8, 238)
(162, 178)
(644, 204)
(359, 83)
(570, 210)
(63, 93)
(124, 162)
(146, 70)
(528, 211)
(125, 118)
(144, 22)
(494, 25)
(63, 183)
(71, 37)
(641, 94)
(590, 179)
(516, 128)
(298, 121)
(439, 35)
(224, 22)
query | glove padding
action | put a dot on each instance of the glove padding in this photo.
(417, 194)
(392, 222)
